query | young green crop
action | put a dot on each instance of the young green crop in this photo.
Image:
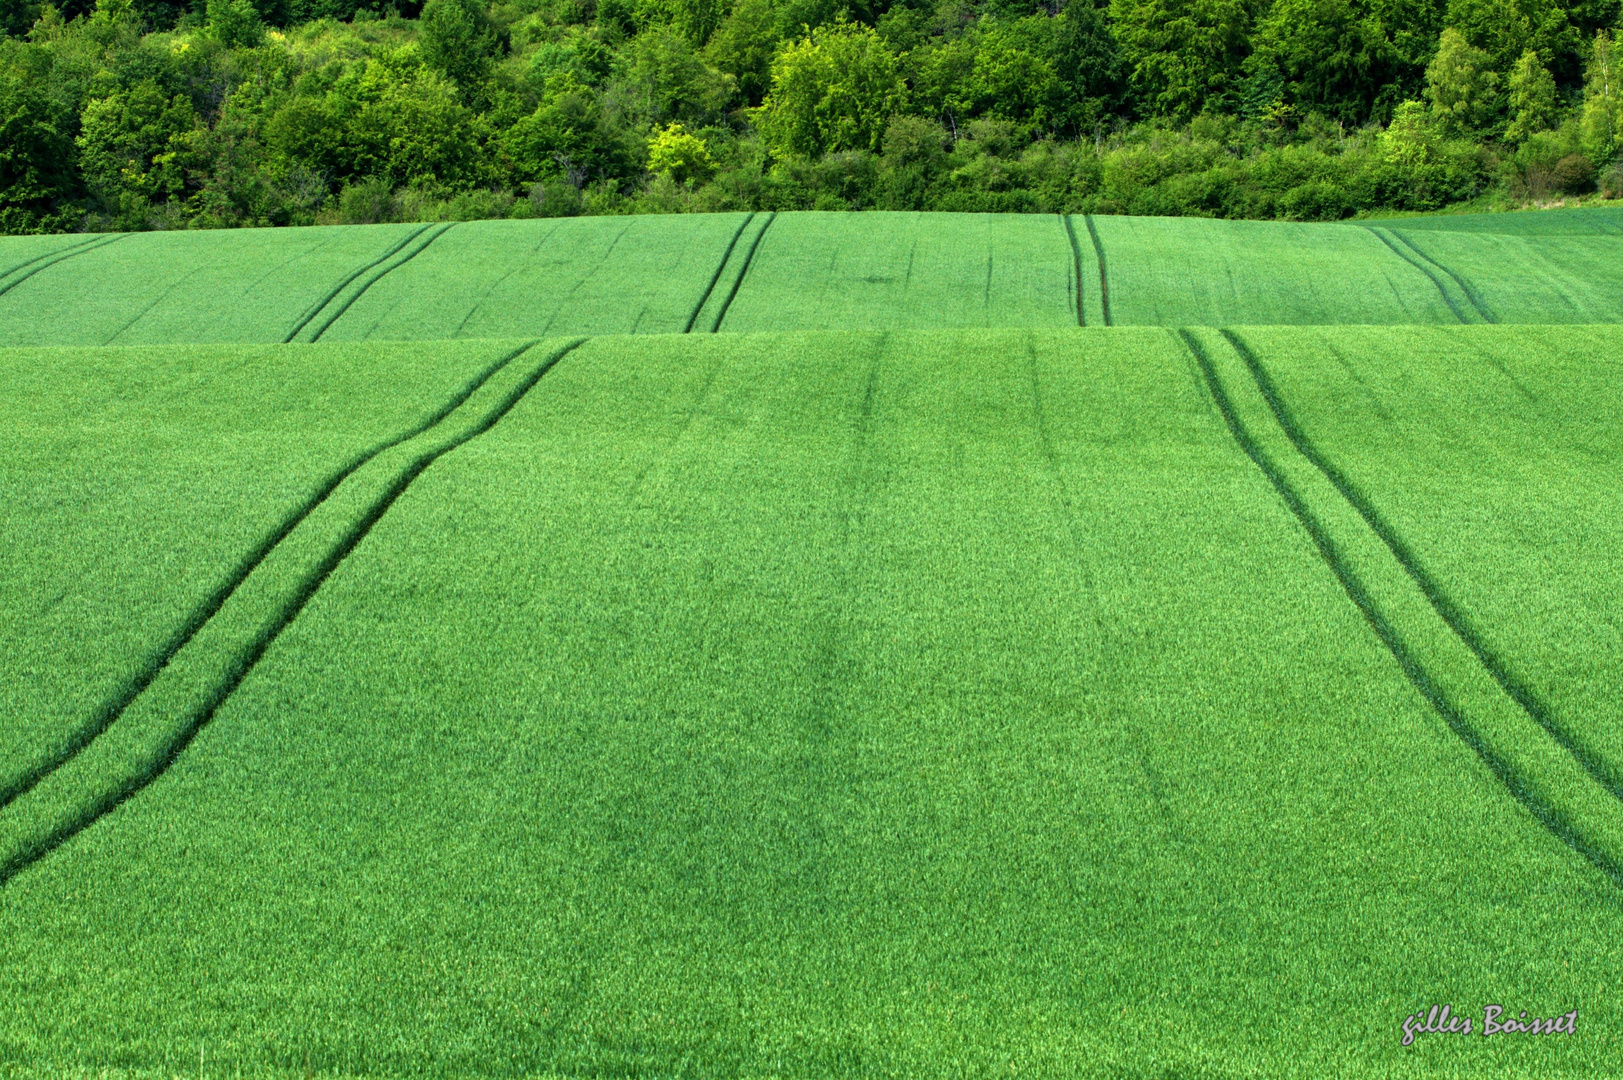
(1566, 221)
(161, 288)
(510, 279)
(793, 271)
(916, 704)
(1176, 271)
(1495, 455)
(140, 484)
(1525, 278)
(882, 271)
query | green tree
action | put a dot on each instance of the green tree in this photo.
(1505, 29)
(388, 119)
(38, 177)
(235, 23)
(697, 20)
(457, 39)
(683, 157)
(1464, 93)
(1088, 61)
(567, 136)
(1532, 98)
(835, 89)
(663, 78)
(134, 147)
(1010, 81)
(1184, 56)
(1601, 126)
(1411, 140)
(1333, 56)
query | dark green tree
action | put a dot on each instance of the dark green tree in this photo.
(38, 173)
(1333, 56)
(1184, 56)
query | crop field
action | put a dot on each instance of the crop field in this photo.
(878, 271)
(911, 673)
(702, 273)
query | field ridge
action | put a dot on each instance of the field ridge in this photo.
(65, 249)
(1528, 764)
(1442, 290)
(1076, 267)
(169, 712)
(1525, 697)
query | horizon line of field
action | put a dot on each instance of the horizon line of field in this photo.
(1580, 836)
(75, 819)
(340, 297)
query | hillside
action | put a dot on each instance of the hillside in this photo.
(811, 645)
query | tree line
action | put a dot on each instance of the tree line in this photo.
(135, 114)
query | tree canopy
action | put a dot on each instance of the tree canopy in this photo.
(177, 113)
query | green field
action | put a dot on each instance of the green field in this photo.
(801, 271)
(913, 677)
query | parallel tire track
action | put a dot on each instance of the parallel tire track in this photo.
(1549, 816)
(55, 257)
(1442, 290)
(65, 250)
(315, 309)
(1099, 251)
(109, 712)
(1525, 698)
(720, 266)
(378, 275)
(241, 664)
(743, 270)
(1076, 258)
(1465, 286)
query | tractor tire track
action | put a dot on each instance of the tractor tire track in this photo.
(66, 249)
(1076, 259)
(1551, 817)
(738, 282)
(58, 257)
(110, 711)
(1104, 281)
(720, 266)
(1442, 290)
(236, 668)
(1465, 286)
(377, 276)
(315, 309)
(1447, 609)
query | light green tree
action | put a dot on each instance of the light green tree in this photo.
(682, 156)
(1410, 141)
(1464, 93)
(1532, 98)
(834, 89)
(1601, 129)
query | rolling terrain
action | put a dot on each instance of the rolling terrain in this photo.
(812, 645)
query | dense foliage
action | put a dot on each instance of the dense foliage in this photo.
(155, 114)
